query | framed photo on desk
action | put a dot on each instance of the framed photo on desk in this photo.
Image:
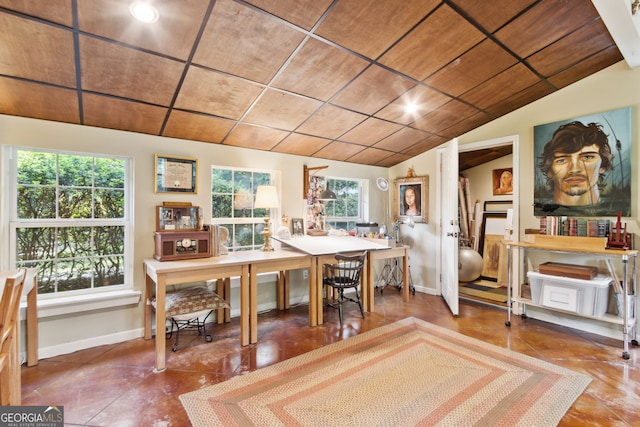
(175, 174)
(297, 227)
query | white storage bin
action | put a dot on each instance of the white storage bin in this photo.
(587, 297)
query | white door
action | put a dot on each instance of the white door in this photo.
(449, 225)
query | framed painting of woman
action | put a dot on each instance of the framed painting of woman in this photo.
(411, 199)
(502, 181)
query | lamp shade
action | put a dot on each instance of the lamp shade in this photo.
(266, 197)
(242, 201)
(328, 195)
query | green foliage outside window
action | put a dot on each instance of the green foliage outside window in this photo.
(70, 219)
(345, 211)
(232, 196)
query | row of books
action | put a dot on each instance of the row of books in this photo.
(563, 226)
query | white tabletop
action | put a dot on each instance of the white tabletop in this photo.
(325, 245)
(257, 256)
(160, 267)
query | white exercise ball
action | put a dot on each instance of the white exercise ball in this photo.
(469, 265)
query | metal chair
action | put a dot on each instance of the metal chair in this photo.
(345, 274)
(186, 307)
(10, 393)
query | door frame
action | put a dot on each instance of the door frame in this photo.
(514, 141)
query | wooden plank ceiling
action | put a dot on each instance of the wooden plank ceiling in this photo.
(318, 78)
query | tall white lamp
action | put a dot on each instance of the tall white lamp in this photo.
(267, 198)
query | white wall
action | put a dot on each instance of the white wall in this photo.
(480, 180)
(71, 332)
(615, 87)
(422, 237)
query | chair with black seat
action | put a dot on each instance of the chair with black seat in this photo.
(345, 274)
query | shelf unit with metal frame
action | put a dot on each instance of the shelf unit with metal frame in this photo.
(594, 248)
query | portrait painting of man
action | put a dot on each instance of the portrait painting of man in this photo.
(583, 167)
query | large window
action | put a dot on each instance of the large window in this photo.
(346, 210)
(232, 195)
(69, 219)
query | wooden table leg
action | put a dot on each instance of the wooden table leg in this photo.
(313, 305)
(161, 320)
(244, 306)
(253, 301)
(368, 286)
(405, 276)
(223, 289)
(280, 290)
(364, 286)
(227, 297)
(287, 288)
(32, 325)
(319, 291)
(15, 379)
(148, 309)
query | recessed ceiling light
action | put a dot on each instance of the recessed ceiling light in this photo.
(144, 11)
(410, 108)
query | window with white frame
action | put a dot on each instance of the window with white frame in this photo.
(346, 210)
(70, 219)
(232, 194)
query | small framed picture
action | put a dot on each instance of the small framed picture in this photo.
(502, 181)
(175, 174)
(174, 217)
(494, 261)
(297, 227)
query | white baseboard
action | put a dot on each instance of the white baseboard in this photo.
(70, 347)
(425, 290)
(73, 346)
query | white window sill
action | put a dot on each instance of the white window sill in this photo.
(79, 303)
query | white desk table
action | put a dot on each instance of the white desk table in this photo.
(160, 274)
(323, 250)
(398, 251)
(244, 264)
(312, 253)
(263, 262)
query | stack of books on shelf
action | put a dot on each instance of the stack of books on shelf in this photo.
(563, 226)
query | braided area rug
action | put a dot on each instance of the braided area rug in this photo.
(404, 374)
